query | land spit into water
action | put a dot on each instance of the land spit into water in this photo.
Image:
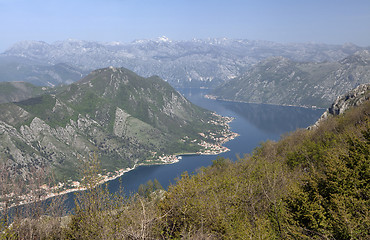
(213, 147)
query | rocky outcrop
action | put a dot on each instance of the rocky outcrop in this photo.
(120, 124)
(351, 99)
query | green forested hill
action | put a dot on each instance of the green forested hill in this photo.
(124, 118)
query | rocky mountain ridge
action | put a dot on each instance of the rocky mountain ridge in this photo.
(281, 81)
(194, 63)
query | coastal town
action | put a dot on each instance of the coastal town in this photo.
(212, 143)
(216, 148)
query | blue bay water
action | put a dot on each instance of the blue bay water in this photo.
(254, 122)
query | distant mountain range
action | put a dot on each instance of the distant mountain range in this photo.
(40, 74)
(195, 63)
(124, 118)
(281, 81)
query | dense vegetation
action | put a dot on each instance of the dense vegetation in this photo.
(312, 184)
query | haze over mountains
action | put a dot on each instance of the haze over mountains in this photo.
(194, 63)
(40, 74)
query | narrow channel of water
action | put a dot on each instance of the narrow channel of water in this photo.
(254, 122)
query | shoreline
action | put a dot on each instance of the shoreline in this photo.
(208, 149)
(105, 179)
(213, 97)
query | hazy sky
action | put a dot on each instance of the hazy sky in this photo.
(326, 21)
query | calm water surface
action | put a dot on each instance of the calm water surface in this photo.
(254, 122)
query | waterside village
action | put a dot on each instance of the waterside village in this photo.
(211, 147)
